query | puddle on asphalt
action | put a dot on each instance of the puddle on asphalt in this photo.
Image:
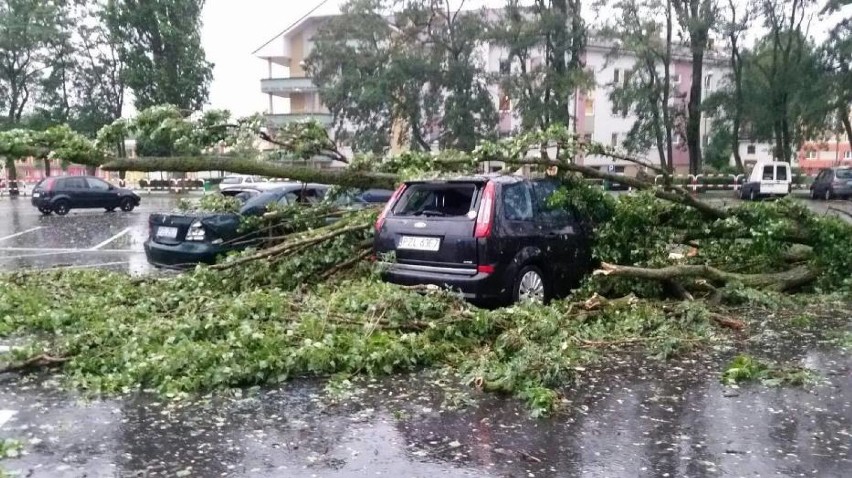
(635, 418)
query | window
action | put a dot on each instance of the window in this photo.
(847, 155)
(544, 190)
(97, 184)
(74, 183)
(811, 155)
(517, 203)
(768, 173)
(590, 106)
(843, 174)
(707, 81)
(676, 79)
(750, 149)
(436, 200)
(505, 67)
(615, 77)
(614, 141)
(781, 173)
(676, 139)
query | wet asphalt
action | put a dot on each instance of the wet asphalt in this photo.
(628, 418)
(633, 419)
(85, 238)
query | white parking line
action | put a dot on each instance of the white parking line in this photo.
(20, 233)
(49, 251)
(5, 416)
(125, 231)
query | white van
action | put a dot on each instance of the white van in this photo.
(768, 178)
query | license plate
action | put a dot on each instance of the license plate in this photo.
(167, 232)
(35, 195)
(417, 243)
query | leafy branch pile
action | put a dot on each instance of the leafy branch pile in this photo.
(199, 331)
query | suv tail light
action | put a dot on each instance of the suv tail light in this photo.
(396, 194)
(484, 219)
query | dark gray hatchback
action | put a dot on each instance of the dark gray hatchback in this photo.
(492, 238)
(63, 193)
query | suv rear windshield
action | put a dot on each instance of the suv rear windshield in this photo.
(442, 200)
(843, 174)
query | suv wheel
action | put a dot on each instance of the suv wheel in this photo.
(61, 207)
(127, 204)
(530, 286)
(827, 196)
(752, 195)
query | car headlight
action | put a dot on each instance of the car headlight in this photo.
(195, 232)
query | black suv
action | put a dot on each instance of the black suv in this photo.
(63, 193)
(493, 238)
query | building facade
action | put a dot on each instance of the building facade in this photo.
(816, 155)
(293, 96)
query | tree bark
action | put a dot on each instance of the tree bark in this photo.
(693, 122)
(46, 167)
(779, 281)
(261, 168)
(12, 176)
(843, 112)
(737, 68)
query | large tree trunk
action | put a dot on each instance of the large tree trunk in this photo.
(12, 175)
(693, 122)
(667, 86)
(779, 281)
(737, 68)
(46, 167)
(260, 168)
(843, 112)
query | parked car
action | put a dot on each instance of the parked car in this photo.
(832, 183)
(492, 238)
(183, 240)
(239, 180)
(244, 192)
(767, 178)
(63, 193)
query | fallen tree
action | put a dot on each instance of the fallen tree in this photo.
(290, 169)
(307, 302)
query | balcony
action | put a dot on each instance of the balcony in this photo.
(324, 119)
(287, 86)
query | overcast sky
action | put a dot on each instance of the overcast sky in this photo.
(233, 29)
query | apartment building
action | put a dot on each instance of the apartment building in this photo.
(816, 155)
(294, 97)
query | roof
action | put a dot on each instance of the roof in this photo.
(322, 10)
(474, 178)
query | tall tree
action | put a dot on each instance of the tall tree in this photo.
(161, 46)
(404, 68)
(28, 28)
(467, 112)
(836, 56)
(696, 18)
(544, 65)
(646, 89)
